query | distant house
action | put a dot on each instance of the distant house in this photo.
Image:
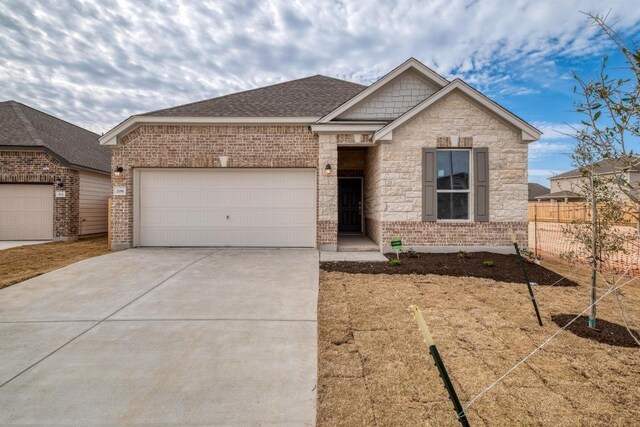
(54, 177)
(568, 186)
(536, 190)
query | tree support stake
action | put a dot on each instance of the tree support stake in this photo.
(417, 315)
(526, 277)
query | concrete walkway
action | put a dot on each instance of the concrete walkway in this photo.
(163, 336)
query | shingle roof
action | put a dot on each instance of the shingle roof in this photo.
(536, 190)
(312, 96)
(23, 126)
(560, 195)
(602, 167)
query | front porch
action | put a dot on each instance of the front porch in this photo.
(355, 200)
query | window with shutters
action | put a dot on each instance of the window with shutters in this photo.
(452, 184)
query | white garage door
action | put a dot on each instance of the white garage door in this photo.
(226, 207)
(26, 212)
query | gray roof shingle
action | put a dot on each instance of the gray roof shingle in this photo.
(313, 96)
(602, 167)
(23, 126)
(560, 195)
(536, 190)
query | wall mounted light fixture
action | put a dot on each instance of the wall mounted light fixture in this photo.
(327, 169)
(118, 171)
(58, 182)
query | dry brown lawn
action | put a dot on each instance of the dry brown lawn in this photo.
(375, 370)
(24, 262)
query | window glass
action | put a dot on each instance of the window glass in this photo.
(453, 184)
(460, 170)
(453, 205)
(453, 170)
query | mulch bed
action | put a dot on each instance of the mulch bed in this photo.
(506, 268)
(606, 333)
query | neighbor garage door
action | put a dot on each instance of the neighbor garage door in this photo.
(26, 212)
(226, 207)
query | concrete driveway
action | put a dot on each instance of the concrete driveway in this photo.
(163, 336)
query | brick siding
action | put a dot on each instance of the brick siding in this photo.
(31, 167)
(171, 146)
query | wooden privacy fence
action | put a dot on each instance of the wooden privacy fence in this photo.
(568, 212)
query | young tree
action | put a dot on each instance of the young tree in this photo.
(611, 117)
(604, 153)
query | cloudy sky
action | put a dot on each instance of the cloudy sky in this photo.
(96, 63)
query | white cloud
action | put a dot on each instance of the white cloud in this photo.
(96, 63)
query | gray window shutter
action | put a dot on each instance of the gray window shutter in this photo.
(429, 193)
(481, 184)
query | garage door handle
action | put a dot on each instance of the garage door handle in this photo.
(227, 216)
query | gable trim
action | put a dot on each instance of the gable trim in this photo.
(529, 133)
(411, 63)
(111, 137)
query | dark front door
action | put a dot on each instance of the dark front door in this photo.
(349, 205)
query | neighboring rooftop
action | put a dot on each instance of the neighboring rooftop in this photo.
(603, 167)
(569, 195)
(536, 190)
(313, 96)
(23, 126)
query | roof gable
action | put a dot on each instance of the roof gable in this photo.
(411, 64)
(392, 100)
(529, 133)
(23, 126)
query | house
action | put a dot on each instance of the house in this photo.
(302, 163)
(536, 190)
(569, 186)
(54, 177)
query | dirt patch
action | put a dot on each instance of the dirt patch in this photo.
(24, 262)
(505, 268)
(375, 370)
(606, 333)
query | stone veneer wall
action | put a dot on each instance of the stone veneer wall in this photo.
(167, 146)
(373, 194)
(28, 167)
(328, 192)
(400, 177)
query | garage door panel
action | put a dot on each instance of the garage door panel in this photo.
(26, 212)
(231, 207)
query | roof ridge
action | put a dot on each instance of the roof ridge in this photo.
(247, 91)
(52, 116)
(28, 126)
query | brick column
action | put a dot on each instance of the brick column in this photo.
(328, 193)
(66, 210)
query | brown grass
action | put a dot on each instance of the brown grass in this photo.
(24, 262)
(374, 368)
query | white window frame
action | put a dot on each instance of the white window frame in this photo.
(468, 191)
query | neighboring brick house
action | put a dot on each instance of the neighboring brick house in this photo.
(54, 177)
(301, 163)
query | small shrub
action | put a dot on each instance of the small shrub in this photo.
(411, 253)
(394, 262)
(487, 263)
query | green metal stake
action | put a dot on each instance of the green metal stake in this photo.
(417, 315)
(526, 277)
